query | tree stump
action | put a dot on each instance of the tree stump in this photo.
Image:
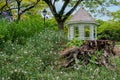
(87, 50)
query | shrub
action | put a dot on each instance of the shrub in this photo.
(75, 42)
(109, 31)
(20, 31)
(33, 58)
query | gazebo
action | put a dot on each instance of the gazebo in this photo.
(82, 26)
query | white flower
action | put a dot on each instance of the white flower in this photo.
(15, 70)
(25, 72)
(57, 77)
(13, 47)
(61, 72)
(114, 79)
(17, 57)
(91, 69)
(92, 77)
(8, 77)
(26, 61)
(25, 52)
(69, 79)
(3, 78)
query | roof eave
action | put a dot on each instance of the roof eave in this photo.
(81, 22)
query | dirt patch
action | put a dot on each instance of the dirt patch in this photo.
(117, 49)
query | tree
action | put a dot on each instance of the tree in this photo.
(28, 7)
(61, 16)
(4, 4)
(21, 5)
(116, 15)
(109, 30)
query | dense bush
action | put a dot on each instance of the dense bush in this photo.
(19, 31)
(109, 31)
(25, 62)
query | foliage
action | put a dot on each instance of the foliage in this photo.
(109, 30)
(60, 15)
(38, 59)
(117, 43)
(116, 15)
(75, 42)
(18, 7)
(23, 29)
(21, 62)
(100, 22)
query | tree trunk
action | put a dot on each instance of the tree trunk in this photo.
(60, 24)
(19, 17)
(19, 10)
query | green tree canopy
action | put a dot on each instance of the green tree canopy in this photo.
(116, 15)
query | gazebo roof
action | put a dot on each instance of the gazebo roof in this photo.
(82, 16)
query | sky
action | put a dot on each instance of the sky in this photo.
(112, 9)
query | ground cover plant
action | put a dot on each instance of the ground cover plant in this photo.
(27, 61)
(30, 52)
(39, 59)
